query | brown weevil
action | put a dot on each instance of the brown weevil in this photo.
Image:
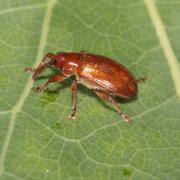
(105, 76)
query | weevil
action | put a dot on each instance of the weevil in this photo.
(104, 76)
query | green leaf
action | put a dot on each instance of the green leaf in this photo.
(38, 141)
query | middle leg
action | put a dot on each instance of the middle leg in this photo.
(72, 115)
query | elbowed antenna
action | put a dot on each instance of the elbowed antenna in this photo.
(42, 65)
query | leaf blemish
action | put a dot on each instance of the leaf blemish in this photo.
(57, 126)
(47, 98)
(127, 172)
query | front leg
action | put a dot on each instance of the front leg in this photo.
(55, 78)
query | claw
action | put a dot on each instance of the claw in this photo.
(126, 118)
(34, 71)
(72, 116)
(142, 79)
(40, 88)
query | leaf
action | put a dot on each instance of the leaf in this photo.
(38, 141)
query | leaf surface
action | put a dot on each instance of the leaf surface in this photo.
(38, 141)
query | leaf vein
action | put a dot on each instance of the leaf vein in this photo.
(23, 8)
(165, 43)
(18, 106)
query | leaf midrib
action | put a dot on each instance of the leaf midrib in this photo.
(18, 106)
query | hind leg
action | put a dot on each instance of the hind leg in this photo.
(107, 97)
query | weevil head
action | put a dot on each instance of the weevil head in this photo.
(60, 55)
(60, 60)
(67, 62)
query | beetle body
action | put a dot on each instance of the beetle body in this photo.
(105, 76)
(98, 72)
